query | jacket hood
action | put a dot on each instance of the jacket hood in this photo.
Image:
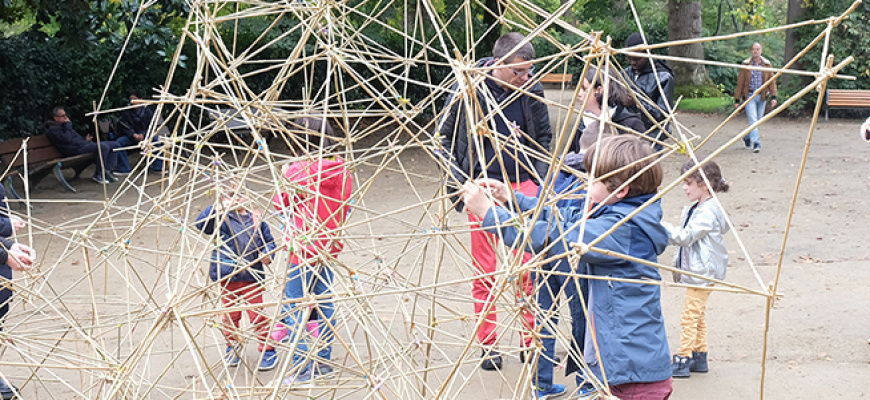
(322, 173)
(648, 220)
(660, 66)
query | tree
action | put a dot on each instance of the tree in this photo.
(684, 22)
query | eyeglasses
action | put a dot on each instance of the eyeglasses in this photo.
(529, 72)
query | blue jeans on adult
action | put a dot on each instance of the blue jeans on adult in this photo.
(754, 111)
(548, 294)
(124, 141)
(303, 281)
(109, 158)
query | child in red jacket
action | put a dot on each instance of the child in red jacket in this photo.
(315, 212)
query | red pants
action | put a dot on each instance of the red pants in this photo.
(237, 294)
(483, 254)
(660, 390)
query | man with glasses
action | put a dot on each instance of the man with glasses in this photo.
(507, 137)
(69, 143)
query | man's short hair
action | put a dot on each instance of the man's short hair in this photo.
(56, 110)
(629, 155)
(508, 42)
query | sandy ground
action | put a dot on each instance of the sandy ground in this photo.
(817, 342)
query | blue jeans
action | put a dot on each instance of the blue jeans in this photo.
(125, 141)
(303, 281)
(754, 111)
(548, 295)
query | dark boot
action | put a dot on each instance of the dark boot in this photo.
(699, 362)
(491, 360)
(681, 366)
(6, 392)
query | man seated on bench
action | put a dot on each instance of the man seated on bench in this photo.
(69, 143)
(134, 124)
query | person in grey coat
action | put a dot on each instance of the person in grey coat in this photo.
(701, 251)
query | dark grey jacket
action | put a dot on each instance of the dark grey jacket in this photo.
(645, 82)
(459, 156)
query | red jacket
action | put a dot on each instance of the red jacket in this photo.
(318, 208)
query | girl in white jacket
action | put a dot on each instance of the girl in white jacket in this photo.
(701, 251)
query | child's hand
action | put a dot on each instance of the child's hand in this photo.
(266, 260)
(17, 222)
(497, 189)
(476, 199)
(20, 257)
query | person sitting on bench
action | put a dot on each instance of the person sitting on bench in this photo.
(134, 125)
(69, 143)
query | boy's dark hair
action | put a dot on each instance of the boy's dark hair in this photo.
(629, 155)
(711, 171)
(506, 44)
(617, 92)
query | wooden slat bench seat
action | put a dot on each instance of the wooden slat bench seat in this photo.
(846, 98)
(42, 158)
(558, 79)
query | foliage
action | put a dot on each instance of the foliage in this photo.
(66, 59)
(708, 105)
(850, 38)
(698, 91)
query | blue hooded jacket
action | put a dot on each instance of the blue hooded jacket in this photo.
(241, 244)
(626, 317)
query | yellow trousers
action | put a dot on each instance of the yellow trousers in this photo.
(693, 332)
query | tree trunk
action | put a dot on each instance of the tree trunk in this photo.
(684, 22)
(796, 12)
(484, 47)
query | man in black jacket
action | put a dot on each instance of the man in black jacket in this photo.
(134, 125)
(69, 143)
(506, 137)
(654, 84)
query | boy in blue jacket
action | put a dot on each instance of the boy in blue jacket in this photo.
(244, 246)
(625, 342)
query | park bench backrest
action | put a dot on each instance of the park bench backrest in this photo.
(39, 149)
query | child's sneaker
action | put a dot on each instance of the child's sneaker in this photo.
(554, 391)
(681, 366)
(586, 392)
(280, 333)
(269, 361)
(491, 360)
(322, 369)
(699, 362)
(231, 357)
(300, 378)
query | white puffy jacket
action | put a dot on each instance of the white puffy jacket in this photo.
(702, 243)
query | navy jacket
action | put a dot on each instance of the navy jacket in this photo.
(6, 232)
(241, 245)
(460, 154)
(136, 120)
(626, 317)
(66, 140)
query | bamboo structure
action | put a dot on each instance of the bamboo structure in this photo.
(141, 319)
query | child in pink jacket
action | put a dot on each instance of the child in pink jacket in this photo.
(315, 210)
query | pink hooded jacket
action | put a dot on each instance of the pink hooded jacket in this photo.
(318, 210)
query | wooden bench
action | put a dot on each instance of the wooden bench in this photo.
(846, 98)
(42, 159)
(558, 79)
